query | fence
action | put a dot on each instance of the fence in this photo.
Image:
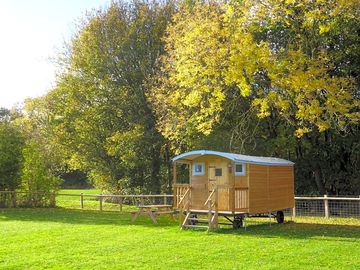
(324, 206)
(110, 202)
(106, 202)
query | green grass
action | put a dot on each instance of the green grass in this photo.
(78, 191)
(65, 238)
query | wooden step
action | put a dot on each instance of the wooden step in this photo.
(199, 219)
(196, 226)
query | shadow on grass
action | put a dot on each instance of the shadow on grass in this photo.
(83, 217)
(295, 230)
(299, 230)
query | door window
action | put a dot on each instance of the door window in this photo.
(199, 168)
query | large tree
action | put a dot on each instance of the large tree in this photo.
(102, 118)
(293, 63)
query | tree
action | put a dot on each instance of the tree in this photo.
(11, 143)
(286, 59)
(102, 118)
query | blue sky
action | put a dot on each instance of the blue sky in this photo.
(32, 32)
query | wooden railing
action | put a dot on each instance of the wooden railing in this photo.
(179, 192)
(241, 198)
(183, 203)
(185, 199)
(212, 205)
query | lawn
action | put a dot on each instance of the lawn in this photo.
(78, 191)
(64, 238)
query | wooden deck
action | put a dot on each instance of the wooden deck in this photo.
(220, 213)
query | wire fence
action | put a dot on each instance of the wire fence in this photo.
(324, 206)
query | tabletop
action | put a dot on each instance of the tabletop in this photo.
(155, 206)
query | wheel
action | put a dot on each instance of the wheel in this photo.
(191, 221)
(237, 223)
(280, 217)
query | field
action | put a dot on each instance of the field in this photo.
(65, 238)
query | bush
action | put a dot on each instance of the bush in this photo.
(37, 178)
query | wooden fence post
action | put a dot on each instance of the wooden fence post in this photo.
(326, 206)
(82, 200)
(121, 203)
(100, 202)
(294, 211)
(142, 200)
(52, 200)
(165, 200)
(14, 199)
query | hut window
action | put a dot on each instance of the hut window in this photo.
(218, 172)
(239, 169)
(199, 168)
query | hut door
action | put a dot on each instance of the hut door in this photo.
(216, 175)
(212, 178)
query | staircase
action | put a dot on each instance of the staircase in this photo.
(191, 219)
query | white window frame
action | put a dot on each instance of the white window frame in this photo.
(202, 170)
(243, 169)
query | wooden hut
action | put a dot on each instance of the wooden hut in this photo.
(231, 185)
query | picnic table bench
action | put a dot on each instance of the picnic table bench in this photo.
(152, 211)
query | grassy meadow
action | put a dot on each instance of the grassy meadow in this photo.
(69, 238)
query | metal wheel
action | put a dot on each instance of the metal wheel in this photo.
(193, 222)
(238, 222)
(280, 217)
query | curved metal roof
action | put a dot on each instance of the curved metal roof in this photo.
(235, 157)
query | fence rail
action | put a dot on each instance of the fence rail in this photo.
(324, 206)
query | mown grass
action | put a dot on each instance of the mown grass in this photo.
(65, 238)
(78, 191)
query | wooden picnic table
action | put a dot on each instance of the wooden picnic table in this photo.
(152, 211)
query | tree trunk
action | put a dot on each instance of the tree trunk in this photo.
(319, 181)
(169, 171)
(155, 169)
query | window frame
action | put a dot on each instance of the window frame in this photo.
(202, 168)
(243, 169)
(221, 174)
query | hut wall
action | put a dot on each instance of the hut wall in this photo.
(270, 188)
(243, 180)
(258, 188)
(281, 187)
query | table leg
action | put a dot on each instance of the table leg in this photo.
(152, 216)
(135, 216)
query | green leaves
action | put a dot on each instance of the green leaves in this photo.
(104, 122)
(11, 144)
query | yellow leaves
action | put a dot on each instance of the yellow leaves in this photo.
(301, 131)
(192, 99)
(322, 126)
(284, 105)
(247, 45)
(324, 28)
(245, 88)
(263, 107)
